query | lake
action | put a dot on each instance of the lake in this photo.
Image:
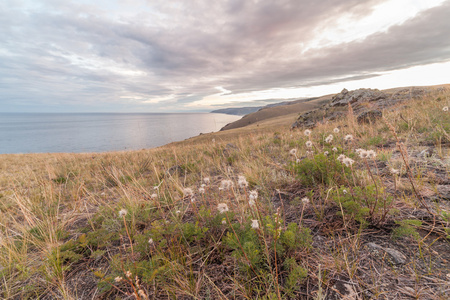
(100, 132)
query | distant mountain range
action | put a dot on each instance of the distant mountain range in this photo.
(237, 111)
(241, 111)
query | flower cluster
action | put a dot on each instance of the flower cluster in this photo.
(222, 207)
(255, 224)
(366, 153)
(252, 198)
(348, 137)
(226, 185)
(188, 192)
(242, 182)
(345, 160)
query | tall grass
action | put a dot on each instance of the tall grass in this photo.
(62, 235)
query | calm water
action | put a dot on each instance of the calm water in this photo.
(98, 132)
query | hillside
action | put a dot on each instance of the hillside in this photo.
(238, 111)
(344, 210)
(273, 111)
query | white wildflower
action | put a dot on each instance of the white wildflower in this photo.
(188, 192)
(142, 293)
(192, 199)
(371, 154)
(445, 108)
(201, 190)
(151, 242)
(395, 171)
(123, 212)
(341, 157)
(309, 144)
(255, 224)
(203, 185)
(242, 182)
(348, 137)
(222, 207)
(348, 161)
(326, 153)
(154, 196)
(178, 212)
(293, 152)
(344, 191)
(305, 200)
(336, 130)
(128, 274)
(156, 187)
(253, 195)
(224, 221)
(334, 149)
(226, 185)
(329, 139)
(307, 132)
(362, 153)
(251, 202)
(206, 180)
(118, 279)
(298, 160)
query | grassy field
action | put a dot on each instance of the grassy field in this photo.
(259, 212)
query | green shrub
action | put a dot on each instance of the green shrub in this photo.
(322, 169)
(407, 228)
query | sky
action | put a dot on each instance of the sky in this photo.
(192, 56)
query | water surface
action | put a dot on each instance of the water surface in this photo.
(99, 132)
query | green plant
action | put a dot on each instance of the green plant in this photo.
(363, 204)
(407, 228)
(321, 169)
(296, 275)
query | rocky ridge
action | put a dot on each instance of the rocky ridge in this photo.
(367, 105)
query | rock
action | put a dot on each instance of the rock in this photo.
(345, 291)
(443, 191)
(374, 246)
(426, 153)
(396, 256)
(175, 169)
(369, 116)
(231, 146)
(361, 95)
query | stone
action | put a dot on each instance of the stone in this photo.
(443, 191)
(369, 116)
(396, 256)
(361, 95)
(175, 169)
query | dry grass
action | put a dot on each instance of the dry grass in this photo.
(61, 236)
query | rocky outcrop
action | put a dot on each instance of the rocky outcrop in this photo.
(361, 95)
(367, 105)
(369, 116)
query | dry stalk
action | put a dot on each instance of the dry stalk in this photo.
(401, 147)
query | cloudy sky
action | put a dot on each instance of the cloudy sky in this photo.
(170, 56)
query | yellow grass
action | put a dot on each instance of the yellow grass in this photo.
(61, 235)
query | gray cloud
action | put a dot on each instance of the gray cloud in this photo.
(59, 55)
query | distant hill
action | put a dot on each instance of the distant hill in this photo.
(275, 110)
(237, 111)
